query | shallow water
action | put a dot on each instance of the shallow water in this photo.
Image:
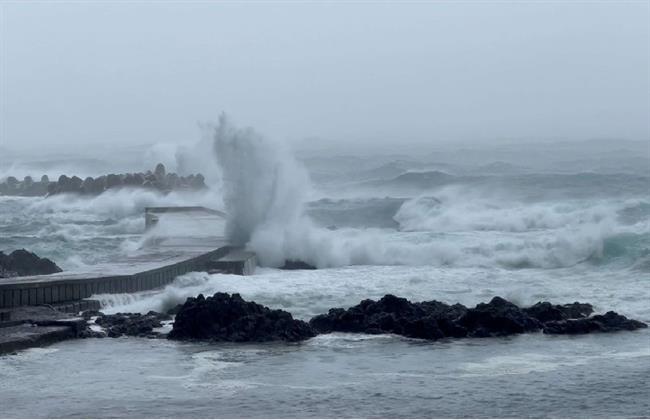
(335, 375)
(451, 244)
(351, 375)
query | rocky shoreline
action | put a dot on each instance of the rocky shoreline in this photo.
(229, 318)
(24, 263)
(158, 180)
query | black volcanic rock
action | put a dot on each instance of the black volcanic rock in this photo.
(296, 265)
(132, 324)
(609, 322)
(496, 318)
(394, 315)
(546, 311)
(24, 263)
(223, 317)
(433, 320)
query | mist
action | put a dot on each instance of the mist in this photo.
(323, 76)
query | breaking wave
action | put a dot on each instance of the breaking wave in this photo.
(266, 191)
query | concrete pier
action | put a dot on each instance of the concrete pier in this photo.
(36, 310)
(160, 260)
(125, 277)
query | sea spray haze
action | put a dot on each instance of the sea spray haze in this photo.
(478, 221)
(264, 188)
(436, 150)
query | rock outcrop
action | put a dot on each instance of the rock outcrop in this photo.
(24, 263)
(297, 265)
(434, 320)
(225, 317)
(609, 322)
(132, 324)
(158, 180)
(497, 318)
(545, 311)
(394, 315)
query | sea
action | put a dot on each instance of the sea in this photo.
(552, 221)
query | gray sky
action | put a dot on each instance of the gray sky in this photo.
(147, 72)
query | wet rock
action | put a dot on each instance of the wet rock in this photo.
(296, 265)
(24, 263)
(433, 320)
(174, 310)
(91, 313)
(546, 311)
(496, 318)
(132, 324)
(223, 317)
(394, 315)
(609, 322)
(447, 317)
(89, 333)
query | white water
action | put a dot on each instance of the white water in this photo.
(466, 245)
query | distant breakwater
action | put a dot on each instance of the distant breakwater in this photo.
(158, 180)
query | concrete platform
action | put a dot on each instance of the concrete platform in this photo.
(155, 268)
(33, 326)
(22, 337)
(237, 261)
(177, 245)
(36, 310)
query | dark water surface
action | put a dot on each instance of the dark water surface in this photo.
(333, 376)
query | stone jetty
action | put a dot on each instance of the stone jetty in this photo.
(158, 180)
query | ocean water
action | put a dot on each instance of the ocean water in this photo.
(557, 236)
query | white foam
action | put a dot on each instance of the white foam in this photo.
(265, 191)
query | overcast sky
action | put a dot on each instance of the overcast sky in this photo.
(147, 72)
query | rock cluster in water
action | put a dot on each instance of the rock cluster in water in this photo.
(434, 320)
(225, 317)
(158, 180)
(24, 263)
(230, 318)
(132, 324)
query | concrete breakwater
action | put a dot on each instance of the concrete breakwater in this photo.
(39, 310)
(158, 180)
(64, 287)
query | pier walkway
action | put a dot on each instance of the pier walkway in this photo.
(39, 310)
(156, 264)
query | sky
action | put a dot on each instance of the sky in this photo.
(101, 73)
